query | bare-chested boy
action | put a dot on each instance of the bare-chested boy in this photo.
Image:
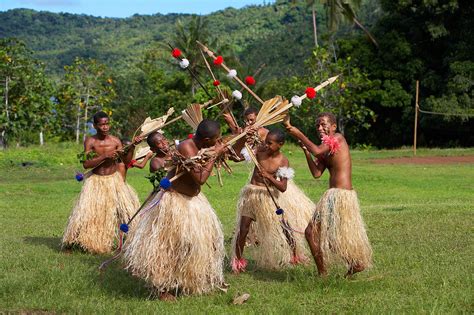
(250, 115)
(105, 200)
(278, 247)
(337, 226)
(178, 245)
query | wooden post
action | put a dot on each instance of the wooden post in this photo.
(416, 115)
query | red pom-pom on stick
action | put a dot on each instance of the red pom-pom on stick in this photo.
(218, 61)
(250, 80)
(310, 93)
(176, 53)
(190, 136)
(216, 83)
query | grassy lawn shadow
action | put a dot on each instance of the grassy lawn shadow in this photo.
(53, 243)
(117, 282)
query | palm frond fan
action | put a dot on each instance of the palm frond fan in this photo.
(272, 111)
(193, 115)
(148, 127)
(151, 125)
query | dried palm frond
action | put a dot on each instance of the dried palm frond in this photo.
(141, 150)
(151, 125)
(193, 115)
(272, 111)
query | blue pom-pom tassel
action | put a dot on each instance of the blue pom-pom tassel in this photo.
(165, 183)
(124, 227)
(279, 211)
(79, 177)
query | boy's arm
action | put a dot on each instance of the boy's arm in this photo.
(279, 184)
(200, 174)
(143, 162)
(295, 132)
(88, 147)
(128, 156)
(240, 145)
(230, 122)
(315, 166)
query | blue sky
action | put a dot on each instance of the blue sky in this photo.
(126, 8)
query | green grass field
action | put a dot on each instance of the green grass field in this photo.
(419, 219)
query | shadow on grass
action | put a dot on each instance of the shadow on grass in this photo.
(53, 243)
(116, 281)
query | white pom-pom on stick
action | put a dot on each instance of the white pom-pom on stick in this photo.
(232, 74)
(237, 95)
(176, 142)
(285, 172)
(246, 155)
(184, 63)
(296, 100)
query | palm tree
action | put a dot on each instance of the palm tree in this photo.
(337, 10)
(312, 4)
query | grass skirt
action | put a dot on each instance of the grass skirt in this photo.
(274, 251)
(343, 232)
(178, 245)
(103, 204)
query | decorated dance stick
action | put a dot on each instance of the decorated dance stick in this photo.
(271, 112)
(274, 110)
(184, 64)
(230, 72)
(165, 184)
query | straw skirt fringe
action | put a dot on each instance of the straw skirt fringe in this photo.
(273, 251)
(178, 245)
(103, 204)
(343, 235)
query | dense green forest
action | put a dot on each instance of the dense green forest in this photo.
(55, 69)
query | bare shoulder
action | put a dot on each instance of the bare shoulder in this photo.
(89, 143)
(187, 148)
(157, 163)
(263, 132)
(89, 139)
(340, 138)
(284, 161)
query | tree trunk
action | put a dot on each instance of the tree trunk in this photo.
(341, 125)
(78, 123)
(85, 114)
(356, 22)
(3, 141)
(6, 99)
(41, 137)
(3, 138)
(315, 28)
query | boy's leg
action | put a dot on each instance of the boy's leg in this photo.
(242, 236)
(313, 234)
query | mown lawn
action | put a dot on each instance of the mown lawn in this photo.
(419, 219)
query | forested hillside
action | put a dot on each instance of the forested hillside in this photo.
(379, 48)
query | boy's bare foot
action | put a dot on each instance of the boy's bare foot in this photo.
(353, 270)
(297, 260)
(167, 297)
(239, 265)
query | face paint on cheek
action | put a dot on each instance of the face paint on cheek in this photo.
(326, 130)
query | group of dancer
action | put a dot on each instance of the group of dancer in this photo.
(177, 243)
